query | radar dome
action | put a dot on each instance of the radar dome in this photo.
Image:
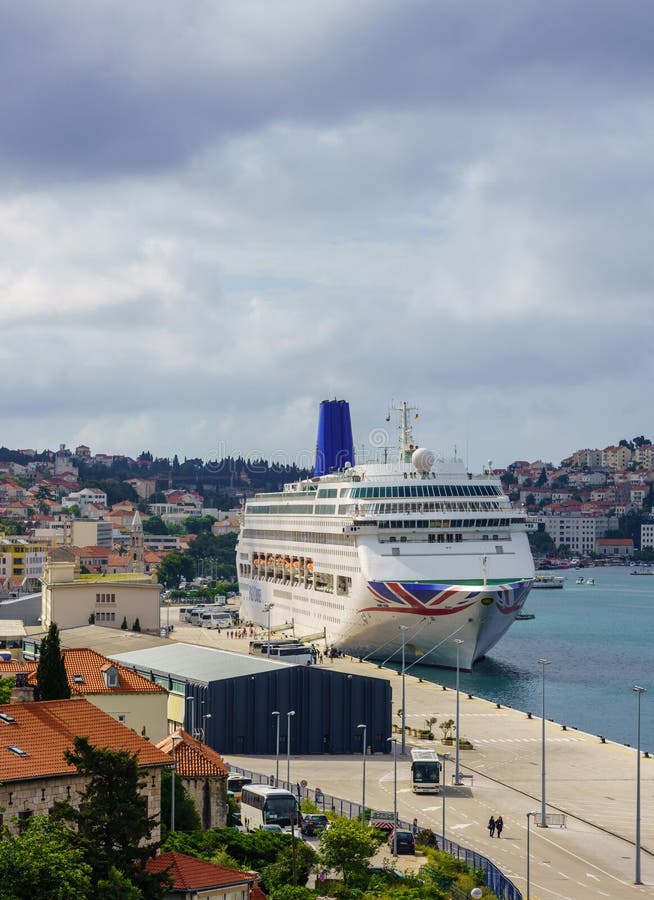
(423, 459)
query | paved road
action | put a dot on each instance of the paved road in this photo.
(592, 783)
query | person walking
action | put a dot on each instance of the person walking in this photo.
(499, 825)
(491, 826)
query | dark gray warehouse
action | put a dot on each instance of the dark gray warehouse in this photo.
(231, 697)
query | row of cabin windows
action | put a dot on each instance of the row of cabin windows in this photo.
(428, 490)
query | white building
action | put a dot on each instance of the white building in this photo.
(577, 532)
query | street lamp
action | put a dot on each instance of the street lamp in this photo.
(174, 737)
(288, 746)
(543, 815)
(457, 774)
(267, 609)
(363, 783)
(204, 719)
(638, 691)
(192, 700)
(276, 714)
(529, 815)
(394, 742)
(403, 629)
(445, 757)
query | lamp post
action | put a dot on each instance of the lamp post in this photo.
(204, 719)
(174, 737)
(403, 629)
(394, 742)
(267, 609)
(638, 691)
(192, 700)
(276, 714)
(363, 782)
(457, 775)
(288, 746)
(529, 815)
(445, 757)
(543, 815)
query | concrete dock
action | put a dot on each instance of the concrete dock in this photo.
(593, 784)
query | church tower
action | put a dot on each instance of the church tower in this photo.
(136, 544)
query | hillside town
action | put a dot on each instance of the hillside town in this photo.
(596, 503)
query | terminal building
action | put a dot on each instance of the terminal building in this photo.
(228, 699)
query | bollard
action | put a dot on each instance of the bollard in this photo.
(529, 715)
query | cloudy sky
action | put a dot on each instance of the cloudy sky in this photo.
(214, 215)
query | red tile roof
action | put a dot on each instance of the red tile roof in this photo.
(90, 666)
(191, 874)
(193, 759)
(44, 730)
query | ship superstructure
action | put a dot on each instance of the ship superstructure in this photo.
(417, 552)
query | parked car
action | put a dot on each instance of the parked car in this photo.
(406, 842)
(271, 827)
(313, 823)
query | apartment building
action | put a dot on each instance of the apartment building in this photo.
(578, 532)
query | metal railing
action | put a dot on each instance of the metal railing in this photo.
(493, 877)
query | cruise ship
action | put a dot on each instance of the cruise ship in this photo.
(416, 558)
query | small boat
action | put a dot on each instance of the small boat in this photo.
(590, 581)
(524, 616)
(580, 580)
(644, 570)
(548, 582)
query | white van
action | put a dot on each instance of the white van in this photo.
(196, 614)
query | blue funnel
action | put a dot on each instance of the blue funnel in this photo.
(335, 446)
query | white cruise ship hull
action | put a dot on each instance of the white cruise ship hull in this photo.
(427, 616)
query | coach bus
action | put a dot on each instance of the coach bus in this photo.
(263, 805)
(425, 771)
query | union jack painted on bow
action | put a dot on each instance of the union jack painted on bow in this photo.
(442, 599)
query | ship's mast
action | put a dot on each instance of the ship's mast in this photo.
(406, 435)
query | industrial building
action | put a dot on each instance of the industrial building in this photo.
(228, 699)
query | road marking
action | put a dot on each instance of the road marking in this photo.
(460, 827)
(590, 875)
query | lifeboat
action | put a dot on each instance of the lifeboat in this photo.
(287, 563)
(296, 564)
(270, 560)
(310, 566)
(278, 560)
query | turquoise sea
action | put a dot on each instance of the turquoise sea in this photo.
(600, 641)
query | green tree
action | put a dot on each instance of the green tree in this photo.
(186, 814)
(137, 624)
(292, 865)
(6, 687)
(173, 567)
(155, 525)
(123, 624)
(347, 847)
(51, 678)
(113, 828)
(43, 861)
(291, 892)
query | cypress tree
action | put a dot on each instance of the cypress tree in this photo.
(137, 625)
(51, 678)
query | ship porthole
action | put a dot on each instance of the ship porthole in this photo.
(486, 601)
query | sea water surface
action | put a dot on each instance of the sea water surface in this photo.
(599, 639)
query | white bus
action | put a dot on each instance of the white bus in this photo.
(425, 771)
(290, 651)
(263, 805)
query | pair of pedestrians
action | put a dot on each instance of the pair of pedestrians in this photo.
(495, 825)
